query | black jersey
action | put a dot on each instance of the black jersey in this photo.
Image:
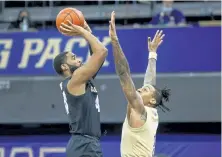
(83, 111)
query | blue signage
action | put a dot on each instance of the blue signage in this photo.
(183, 50)
(55, 146)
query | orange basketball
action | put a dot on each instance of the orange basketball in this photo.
(71, 14)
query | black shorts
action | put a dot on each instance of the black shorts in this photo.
(83, 146)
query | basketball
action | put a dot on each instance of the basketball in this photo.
(71, 14)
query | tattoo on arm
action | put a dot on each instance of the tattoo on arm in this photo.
(121, 64)
(150, 76)
(123, 71)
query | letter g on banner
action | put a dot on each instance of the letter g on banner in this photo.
(5, 53)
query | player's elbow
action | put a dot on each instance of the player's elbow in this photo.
(104, 51)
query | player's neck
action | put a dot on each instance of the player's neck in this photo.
(67, 74)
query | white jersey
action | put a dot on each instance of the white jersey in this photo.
(140, 142)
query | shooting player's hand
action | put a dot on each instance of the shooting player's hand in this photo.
(71, 29)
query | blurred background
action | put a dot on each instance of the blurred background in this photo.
(33, 122)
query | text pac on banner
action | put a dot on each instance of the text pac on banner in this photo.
(183, 50)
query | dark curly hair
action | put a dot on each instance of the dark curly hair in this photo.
(161, 96)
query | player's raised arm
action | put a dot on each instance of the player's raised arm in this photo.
(123, 71)
(86, 27)
(150, 76)
(91, 67)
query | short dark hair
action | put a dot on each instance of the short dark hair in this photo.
(162, 95)
(58, 61)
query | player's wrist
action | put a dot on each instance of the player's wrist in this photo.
(114, 39)
(88, 29)
(85, 33)
(153, 55)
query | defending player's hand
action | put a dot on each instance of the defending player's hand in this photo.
(112, 27)
(156, 42)
(71, 29)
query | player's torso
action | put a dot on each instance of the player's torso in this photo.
(83, 111)
(140, 141)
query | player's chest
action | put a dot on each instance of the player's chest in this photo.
(92, 99)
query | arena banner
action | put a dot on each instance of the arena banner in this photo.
(167, 146)
(183, 50)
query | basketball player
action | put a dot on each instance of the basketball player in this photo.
(80, 95)
(141, 122)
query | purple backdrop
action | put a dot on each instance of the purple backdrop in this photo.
(184, 50)
(167, 146)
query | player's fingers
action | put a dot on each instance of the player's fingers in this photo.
(76, 27)
(149, 40)
(66, 26)
(161, 38)
(85, 23)
(65, 30)
(113, 17)
(160, 42)
(70, 23)
(110, 25)
(156, 35)
(160, 33)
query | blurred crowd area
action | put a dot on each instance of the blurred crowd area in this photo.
(35, 15)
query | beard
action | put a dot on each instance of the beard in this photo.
(72, 68)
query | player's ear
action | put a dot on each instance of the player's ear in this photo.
(152, 101)
(64, 67)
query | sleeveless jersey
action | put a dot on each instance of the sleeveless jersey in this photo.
(140, 142)
(83, 111)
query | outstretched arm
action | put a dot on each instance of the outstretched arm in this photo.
(123, 71)
(150, 76)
